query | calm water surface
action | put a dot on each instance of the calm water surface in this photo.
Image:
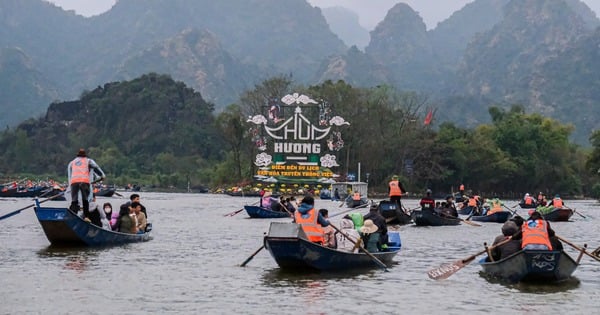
(192, 267)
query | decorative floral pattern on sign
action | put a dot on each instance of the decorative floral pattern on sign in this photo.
(329, 160)
(257, 119)
(297, 98)
(263, 159)
(338, 121)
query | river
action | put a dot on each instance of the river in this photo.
(192, 267)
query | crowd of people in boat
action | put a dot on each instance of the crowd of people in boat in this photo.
(534, 233)
(131, 217)
(369, 231)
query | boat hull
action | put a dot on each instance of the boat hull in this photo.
(257, 212)
(498, 217)
(558, 214)
(392, 213)
(288, 245)
(532, 266)
(427, 217)
(66, 229)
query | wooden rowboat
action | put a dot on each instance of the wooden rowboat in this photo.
(532, 266)
(392, 213)
(558, 214)
(498, 217)
(62, 227)
(428, 217)
(289, 246)
(264, 213)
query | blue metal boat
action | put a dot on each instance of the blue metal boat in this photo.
(62, 227)
(499, 217)
(264, 213)
(532, 266)
(291, 249)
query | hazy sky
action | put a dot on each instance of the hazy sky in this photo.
(371, 12)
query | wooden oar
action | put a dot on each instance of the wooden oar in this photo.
(446, 270)
(252, 256)
(10, 214)
(575, 211)
(577, 247)
(514, 212)
(375, 259)
(231, 214)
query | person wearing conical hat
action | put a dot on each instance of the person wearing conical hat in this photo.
(370, 236)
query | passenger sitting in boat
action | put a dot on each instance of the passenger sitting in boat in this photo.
(336, 195)
(379, 221)
(347, 227)
(427, 202)
(448, 208)
(508, 230)
(356, 198)
(528, 200)
(97, 216)
(127, 220)
(140, 217)
(311, 220)
(541, 199)
(328, 231)
(495, 206)
(557, 202)
(536, 233)
(370, 236)
(266, 200)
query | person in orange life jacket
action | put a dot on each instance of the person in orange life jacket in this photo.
(536, 234)
(311, 220)
(528, 200)
(395, 190)
(80, 171)
(495, 206)
(379, 221)
(427, 202)
(557, 202)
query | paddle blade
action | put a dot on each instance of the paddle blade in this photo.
(446, 270)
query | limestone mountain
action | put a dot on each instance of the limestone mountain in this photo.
(197, 58)
(345, 24)
(22, 87)
(401, 43)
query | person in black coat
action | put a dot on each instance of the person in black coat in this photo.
(379, 221)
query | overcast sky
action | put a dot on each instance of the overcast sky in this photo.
(371, 12)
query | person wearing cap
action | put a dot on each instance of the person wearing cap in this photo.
(379, 221)
(509, 229)
(370, 236)
(557, 202)
(81, 172)
(427, 202)
(395, 190)
(311, 220)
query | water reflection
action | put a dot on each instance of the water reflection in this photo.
(535, 288)
(75, 258)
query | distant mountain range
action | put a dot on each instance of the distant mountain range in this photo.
(540, 53)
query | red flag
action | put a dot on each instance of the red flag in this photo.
(428, 118)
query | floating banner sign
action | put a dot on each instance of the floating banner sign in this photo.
(293, 149)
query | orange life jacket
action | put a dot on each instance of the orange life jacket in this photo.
(536, 234)
(496, 207)
(80, 170)
(311, 226)
(557, 203)
(528, 200)
(395, 188)
(356, 196)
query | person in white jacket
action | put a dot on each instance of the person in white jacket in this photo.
(347, 227)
